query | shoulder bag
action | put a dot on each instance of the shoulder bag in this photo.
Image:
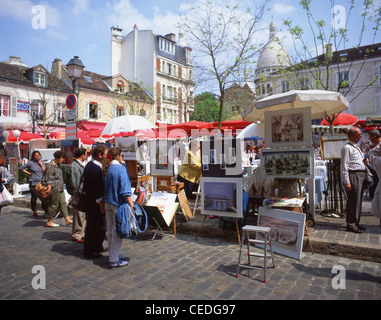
(77, 200)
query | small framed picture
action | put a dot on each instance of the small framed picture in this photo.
(222, 161)
(213, 156)
(205, 163)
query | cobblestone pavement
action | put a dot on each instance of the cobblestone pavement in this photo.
(165, 269)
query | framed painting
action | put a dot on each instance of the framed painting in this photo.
(287, 230)
(162, 158)
(129, 147)
(221, 196)
(69, 146)
(330, 147)
(288, 128)
(287, 163)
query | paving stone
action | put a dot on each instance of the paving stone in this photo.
(166, 268)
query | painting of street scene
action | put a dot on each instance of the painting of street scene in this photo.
(295, 163)
(220, 196)
(128, 145)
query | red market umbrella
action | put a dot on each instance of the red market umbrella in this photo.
(24, 136)
(85, 139)
(343, 119)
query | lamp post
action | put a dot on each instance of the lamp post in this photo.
(75, 68)
(16, 186)
(34, 111)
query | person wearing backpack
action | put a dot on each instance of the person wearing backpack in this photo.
(73, 184)
(117, 192)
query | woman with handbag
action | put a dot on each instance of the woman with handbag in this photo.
(55, 184)
(35, 169)
(117, 192)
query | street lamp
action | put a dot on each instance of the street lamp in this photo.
(74, 68)
(34, 110)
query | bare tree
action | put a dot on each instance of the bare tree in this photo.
(222, 37)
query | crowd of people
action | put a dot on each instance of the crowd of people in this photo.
(105, 183)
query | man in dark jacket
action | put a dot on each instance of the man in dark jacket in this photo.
(93, 187)
(76, 171)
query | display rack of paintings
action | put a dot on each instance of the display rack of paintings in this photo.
(221, 158)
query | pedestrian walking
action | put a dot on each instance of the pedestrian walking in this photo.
(35, 169)
(353, 166)
(54, 181)
(93, 187)
(117, 192)
(76, 172)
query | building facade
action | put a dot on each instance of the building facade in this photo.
(102, 98)
(159, 64)
(32, 94)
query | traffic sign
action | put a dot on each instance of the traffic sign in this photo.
(71, 101)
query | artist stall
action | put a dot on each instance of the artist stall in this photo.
(221, 183)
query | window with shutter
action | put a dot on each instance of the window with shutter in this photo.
(86, 110)
(4, 105)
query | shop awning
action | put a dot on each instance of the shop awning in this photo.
(317, 129)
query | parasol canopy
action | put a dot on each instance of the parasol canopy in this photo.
(320, 101)
(13, 123)
(127, 123)
(343, 119)
(253, 130)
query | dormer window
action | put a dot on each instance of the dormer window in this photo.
(120, 87)
(39, 79)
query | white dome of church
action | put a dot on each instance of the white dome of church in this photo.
(273, 55)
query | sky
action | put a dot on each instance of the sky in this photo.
(38, 31)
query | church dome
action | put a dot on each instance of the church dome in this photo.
(273, 55)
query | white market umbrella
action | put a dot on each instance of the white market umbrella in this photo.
(13, 123)
(320, 101)
(253, 130)
(127, 123)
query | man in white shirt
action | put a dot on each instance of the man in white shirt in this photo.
(353, 166)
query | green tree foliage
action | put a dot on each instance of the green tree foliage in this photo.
(207, 108)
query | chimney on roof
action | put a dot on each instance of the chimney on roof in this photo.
(171, 36)
(57, 67)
